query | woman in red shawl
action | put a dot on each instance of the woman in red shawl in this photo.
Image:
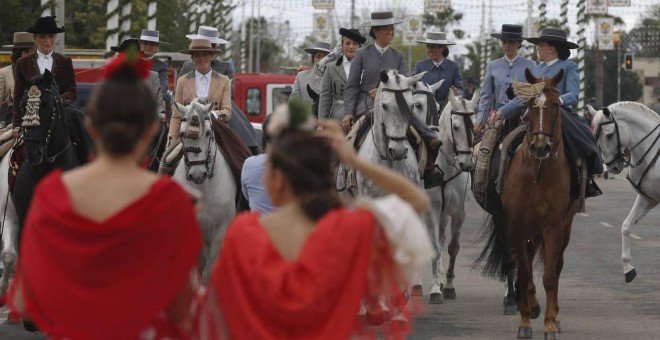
(302, 271)
(108, 248)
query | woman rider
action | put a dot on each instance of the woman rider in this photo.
(22, 46)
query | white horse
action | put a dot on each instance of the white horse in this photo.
(455, 161)
(636, 128)
(204, 168)
(8, 226)
(386, 142)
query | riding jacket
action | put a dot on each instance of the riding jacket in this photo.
(447, 70)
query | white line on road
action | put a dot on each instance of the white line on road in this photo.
(636, 237)
(583, 214)
(605, 224)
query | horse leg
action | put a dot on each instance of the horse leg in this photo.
(437, 296)
(638, 211)
(524, 278)
(556, 241)
(531, 288)
(510, 301)
(9, 244)
(454, 246)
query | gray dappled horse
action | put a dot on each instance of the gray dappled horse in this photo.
(205, 169)
(455, 162)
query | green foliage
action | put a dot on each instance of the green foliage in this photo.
(644, 40)
(471, 61)
(299, 111)
(300, 55)
(272, 53)
(85, 24)
(16, 16)
(442, 19)
(172, 24)
(631, 86)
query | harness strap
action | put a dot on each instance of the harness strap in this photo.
(638, 185)
(432, 107)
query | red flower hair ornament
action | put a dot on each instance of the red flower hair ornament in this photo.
(128, 65)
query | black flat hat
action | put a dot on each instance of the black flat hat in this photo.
(353, 34)
(45, 25)
(126, 44)
(554, 35)
(509, 32)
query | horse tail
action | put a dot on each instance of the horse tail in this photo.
(496, 254)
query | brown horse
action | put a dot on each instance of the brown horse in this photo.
(537, 210)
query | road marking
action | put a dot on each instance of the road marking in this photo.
(605, 224)
(636, 237)
(583, 214)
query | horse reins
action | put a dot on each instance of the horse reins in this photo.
(210, 169)
(432, 105)
(553, 127)
(402, 104)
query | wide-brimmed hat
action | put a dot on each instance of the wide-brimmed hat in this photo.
(21, 40)
(353, 34)
(381, 18)
(126, 44)
(151, 36)
(45, 25)
(554, 35)
(319, 46)
(436, 38)
(510, 32)
(208, 33)
(200, 45)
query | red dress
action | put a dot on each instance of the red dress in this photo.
(111, 280)
(317, 296)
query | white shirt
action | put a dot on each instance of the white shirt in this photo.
(382, 50)
(511, 60)
(44, 61)
(549, 63)
(202, 83)
(436, 63)
(347, 66)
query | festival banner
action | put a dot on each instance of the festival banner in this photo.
(436, 5)
(597, 7)
(619, 3)
(605, 33)
(322, 26)
(323, 4)
(412, 30)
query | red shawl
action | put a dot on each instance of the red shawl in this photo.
(87, 280)
(317, 296)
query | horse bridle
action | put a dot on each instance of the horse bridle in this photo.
(56, 113)
(407, 115)
(432, 105)
(468, 132)
(620, 156)
(209, 161)
(554, 121)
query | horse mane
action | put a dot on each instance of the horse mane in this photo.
(635, 106)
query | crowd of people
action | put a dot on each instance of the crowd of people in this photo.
(111, 250)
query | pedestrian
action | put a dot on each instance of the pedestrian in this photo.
(252, 178)
(335, 78)
(23, 44)
(438, 67)
(109, 248)
(500, 74)
(149, 44)
(304, 78)
(313, 260)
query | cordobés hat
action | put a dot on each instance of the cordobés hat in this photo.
(319, 46)
(554, 35)
(509, 32)
(151, 36)
(208, 33)
(45, 25)
(436, 38)
(200, 45)
(382, 18)
(126, 44)
(353, 34)
(21, 40)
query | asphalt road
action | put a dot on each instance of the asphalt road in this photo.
(594, 300)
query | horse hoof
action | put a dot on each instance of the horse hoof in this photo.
(29, 326)
(417, 290)
(436, 298)
(536, 311)
(449, 293)
(524, 332)
(631, 275)
(510, 305)
(551, 335)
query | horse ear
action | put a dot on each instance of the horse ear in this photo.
(384, 78)
(557, 78)
(418, 77)
(436, 86)
(606, 112)
(475, 99)
(453, 100)
(592, 111)
(208, 107)
(530, 77)
(48, 77)
(179, 107)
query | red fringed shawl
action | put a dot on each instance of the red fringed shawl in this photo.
(87, 280)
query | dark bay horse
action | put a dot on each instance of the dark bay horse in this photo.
(47, 131)
(537, 210)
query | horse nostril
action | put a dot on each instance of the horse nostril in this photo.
(546, 148)
(188, 177)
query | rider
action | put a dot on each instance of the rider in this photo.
(500, 73)
(319, 50)
(553, 51)
(364, 79)
(335, 78)
(222, 67)
(22, 46)
(438, 67)
(149, 43)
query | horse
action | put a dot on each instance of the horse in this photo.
(8, 226)
(455, 162)
(633, 127)
(205, 169)
(386, 142)
(537, 209)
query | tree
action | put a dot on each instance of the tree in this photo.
(471, 61)
(440, 20)
(644, 39)
(631, 86)
(172, 24)
(16, 16)
(271, 55)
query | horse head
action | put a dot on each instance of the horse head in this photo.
(425, 107)
(544, 112)
(612, 138)
(393, 114)
(41, 110)
(197, 138)
(456, 123)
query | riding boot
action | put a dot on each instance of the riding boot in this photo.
(592, 189)
(433, 176)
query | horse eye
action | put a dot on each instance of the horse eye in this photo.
(385, 107)
(455, 128)
(418, 105)
(609, 135)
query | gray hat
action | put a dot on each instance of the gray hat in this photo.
(209, 33)
(382, 18)
(554, 35)
(436, 38)
(151, 35)
(21, 40)
(319, 46)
